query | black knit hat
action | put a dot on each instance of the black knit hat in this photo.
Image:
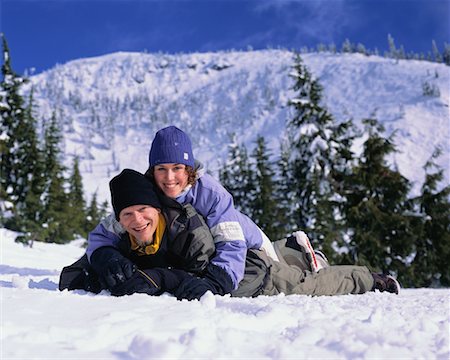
(132, 188)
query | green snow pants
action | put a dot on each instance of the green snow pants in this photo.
(280, 277)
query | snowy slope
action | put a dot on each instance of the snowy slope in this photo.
(38, 321)
(111, 106)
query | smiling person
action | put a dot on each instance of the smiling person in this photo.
(147, 255)
(174, 172)
(241, 248)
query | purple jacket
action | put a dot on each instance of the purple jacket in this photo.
(233, 232)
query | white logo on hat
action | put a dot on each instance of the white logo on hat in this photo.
(186, 156)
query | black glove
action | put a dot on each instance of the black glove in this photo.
(215, 279)
(171, 279)
(111, 266)
(151, 281)
(147, 282)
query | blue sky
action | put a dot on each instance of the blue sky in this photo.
(43, 33)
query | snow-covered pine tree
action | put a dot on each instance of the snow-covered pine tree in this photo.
(93, 215)
(236, 176)
(347, 47)
(32, 211)
(285, 191)
(432, 243)
(264, 205)
(20, 156)
(56, 225)
(437, 57)
(393, 53)
(316, 148)
(11, 107)
(377, 211)
(330, 220)
(446, 54)
(77, 204)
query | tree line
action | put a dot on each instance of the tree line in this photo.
(39, 197)
(356, 208)
(393, 52)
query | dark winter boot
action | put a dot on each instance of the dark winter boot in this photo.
(383, 282)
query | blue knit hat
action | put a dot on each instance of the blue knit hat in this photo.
(171, 146)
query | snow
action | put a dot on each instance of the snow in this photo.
(39, 321)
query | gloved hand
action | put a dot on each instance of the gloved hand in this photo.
(140, 282)
(215, 279)
(151, 281)
(111, 266)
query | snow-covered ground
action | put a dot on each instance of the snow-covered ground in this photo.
(40, 322)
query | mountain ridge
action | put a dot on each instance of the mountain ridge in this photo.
(110, 106)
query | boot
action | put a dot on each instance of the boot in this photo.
(316, 259)
(383, 282)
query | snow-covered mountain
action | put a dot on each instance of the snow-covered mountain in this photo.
(111, 106)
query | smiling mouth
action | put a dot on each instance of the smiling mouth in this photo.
(141, 228)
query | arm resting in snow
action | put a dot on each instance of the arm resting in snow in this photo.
(111, 266)
(230, 256)
(215, 280)
(151, 281)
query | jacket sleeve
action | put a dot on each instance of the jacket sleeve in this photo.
(107, 233)
(230, 256)
(225, 223)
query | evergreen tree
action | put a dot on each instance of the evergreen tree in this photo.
(77, 204)
(32, 210)
(3, 154)
(347, 47)
(95, 213)
(12, 120)
(92, 214)
(401, 53)
(57, 223)
(446, 54)
(377, 208)
(236, 176)
(317, 149)
(360, 48)
(264, 205)
(436, 54)
(330, 224)
(392, 48)
(105, 209)
(21, 163)
(285, 192)
(432, 246)
(302, 131)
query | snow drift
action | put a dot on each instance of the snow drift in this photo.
(39, 321)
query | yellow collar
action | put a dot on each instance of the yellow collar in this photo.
(157, 238)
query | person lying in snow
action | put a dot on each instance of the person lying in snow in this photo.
(149, 254)
(164, 247)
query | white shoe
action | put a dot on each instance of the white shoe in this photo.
(304, 243)
(321, 259)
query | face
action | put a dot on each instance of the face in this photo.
(172, 179)
(140, 221)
